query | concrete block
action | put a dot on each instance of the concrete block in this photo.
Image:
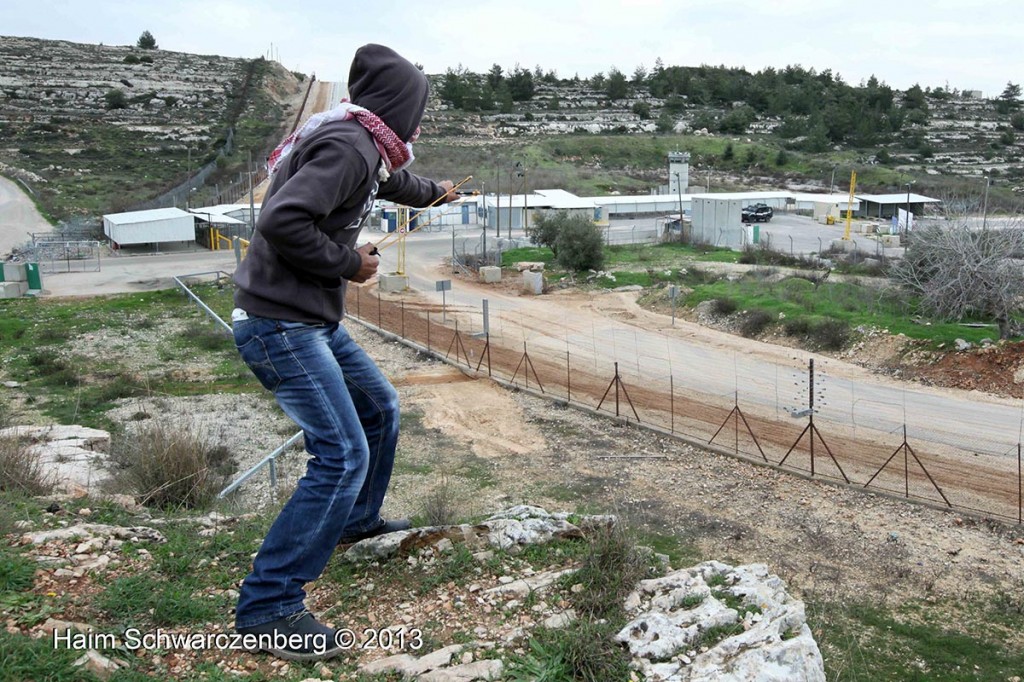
(533, 282)
(490, 274)
(890, 239)
(13, 289)
(532, 266)
(14, 272)
(844, 245)
(393, 283)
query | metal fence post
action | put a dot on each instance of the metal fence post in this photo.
(568, 379)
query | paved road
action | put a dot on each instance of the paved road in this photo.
(18, 217)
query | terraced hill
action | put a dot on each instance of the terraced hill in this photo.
(94, 128)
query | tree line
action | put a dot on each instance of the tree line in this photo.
(819, 109)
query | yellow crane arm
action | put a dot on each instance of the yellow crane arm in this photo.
(849, 205)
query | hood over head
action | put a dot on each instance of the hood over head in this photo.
(390, 86)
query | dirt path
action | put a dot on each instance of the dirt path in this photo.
(18, 217)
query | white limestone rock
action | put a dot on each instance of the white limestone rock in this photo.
(672, 613)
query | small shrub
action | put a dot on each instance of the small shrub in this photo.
(6, 414)
(207, 337)
(131, 59)
(585, 651)
(53, 369)
(830, 335)
(16, 572)
(609, 570)
(440, 506)
(21, 470)
(169, 467)
(754, 322)
(116, 99)
(797, 326)
(723, 306)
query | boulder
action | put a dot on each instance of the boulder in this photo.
(770, 640)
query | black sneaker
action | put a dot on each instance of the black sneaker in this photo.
(298, 637)
(385, 527)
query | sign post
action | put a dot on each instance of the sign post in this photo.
(443, 285)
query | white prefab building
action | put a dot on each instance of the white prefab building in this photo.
(157, 226)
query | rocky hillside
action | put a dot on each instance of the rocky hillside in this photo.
(94, 128)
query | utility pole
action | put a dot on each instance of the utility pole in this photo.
(832, 182)
(188, 178)
(906, 226)
(483, 198)
(679, 189)
(252, 201)
(984, 210)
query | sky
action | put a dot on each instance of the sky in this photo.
(939, 43)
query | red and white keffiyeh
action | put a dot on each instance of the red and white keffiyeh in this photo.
(395, 153)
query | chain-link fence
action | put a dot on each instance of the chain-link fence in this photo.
(58, 256)
(823, 421)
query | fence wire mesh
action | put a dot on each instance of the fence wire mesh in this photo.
(875, 435)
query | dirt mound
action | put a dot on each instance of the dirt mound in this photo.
(997, 369)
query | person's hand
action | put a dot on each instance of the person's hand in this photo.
(368, 265)
(449, 187)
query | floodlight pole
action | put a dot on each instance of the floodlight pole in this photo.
(984, 210)
(906, 225)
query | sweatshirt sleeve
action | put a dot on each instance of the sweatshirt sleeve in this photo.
(409, 189)
(330, 172)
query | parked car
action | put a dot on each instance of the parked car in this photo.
(757, 213)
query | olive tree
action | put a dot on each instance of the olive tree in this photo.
(958, 272)
(573, 239)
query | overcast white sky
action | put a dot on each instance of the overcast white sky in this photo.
(965, 44)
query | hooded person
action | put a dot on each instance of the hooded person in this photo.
(289, 299)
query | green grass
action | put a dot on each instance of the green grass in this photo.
(16, 572)
(39, 660)
(670, 255)
(532, 254)
(865, 642)
(849, 302)
(145, 598)
(36, 337)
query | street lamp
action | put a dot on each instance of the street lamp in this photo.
(906, 226)
(483, 198)
(518, 171)
(984, 210)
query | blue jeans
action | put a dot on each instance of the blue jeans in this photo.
(349, 414)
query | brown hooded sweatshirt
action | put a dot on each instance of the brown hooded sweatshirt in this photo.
(303, 250)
